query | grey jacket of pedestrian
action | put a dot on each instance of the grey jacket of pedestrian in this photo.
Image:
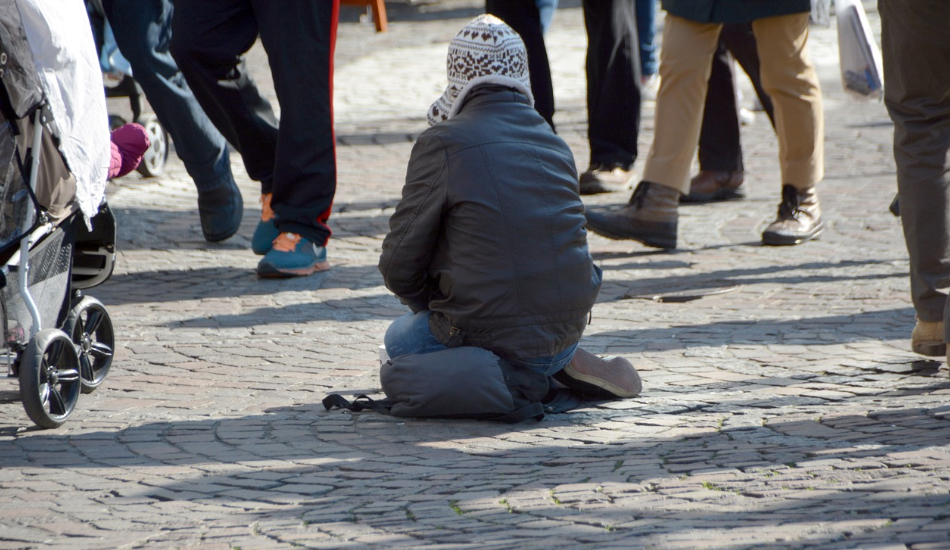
(490, 232)
(733, 11)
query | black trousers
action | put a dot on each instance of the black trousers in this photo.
(916, 50)
(613, 87)
(719, 144)
(294, 159)
(524, 18)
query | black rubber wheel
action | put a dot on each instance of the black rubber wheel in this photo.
(49, 378)
(90, 328)
(153, 163)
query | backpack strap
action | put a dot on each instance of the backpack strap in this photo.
(361, 403)
(383, 406)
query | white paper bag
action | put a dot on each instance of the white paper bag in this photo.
(861, 73)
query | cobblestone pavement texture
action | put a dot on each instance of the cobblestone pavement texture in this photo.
(788, 412)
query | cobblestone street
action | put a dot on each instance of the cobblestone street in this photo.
(782, 405)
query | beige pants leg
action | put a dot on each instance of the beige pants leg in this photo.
(685, 64)
(790, 80)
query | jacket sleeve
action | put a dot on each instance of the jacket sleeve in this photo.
(415, 226)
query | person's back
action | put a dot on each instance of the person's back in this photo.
(511, 263)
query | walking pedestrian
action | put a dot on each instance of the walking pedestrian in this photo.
(142, 32)
(294, 159)
(613, 95)
(528, 20)
(690, 37)
(721, 168)
(916, 56)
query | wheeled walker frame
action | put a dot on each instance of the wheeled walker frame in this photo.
(59, 343)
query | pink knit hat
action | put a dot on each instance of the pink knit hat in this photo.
(486, 51)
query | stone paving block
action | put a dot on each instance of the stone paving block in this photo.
(218, 375)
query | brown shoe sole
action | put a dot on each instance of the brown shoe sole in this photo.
(287, 273)
(718, 195)
(930, 348)
(776, 239)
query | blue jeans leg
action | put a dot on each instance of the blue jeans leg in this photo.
(646, 33)
(547, 365)
(143, 32)
(410, 334)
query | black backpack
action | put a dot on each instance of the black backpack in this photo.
(462, 382)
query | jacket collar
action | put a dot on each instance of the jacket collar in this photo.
(493, 93)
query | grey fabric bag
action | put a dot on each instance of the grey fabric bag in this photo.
(463, 382)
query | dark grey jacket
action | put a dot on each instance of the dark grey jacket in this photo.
(734, 11)
(490, 233)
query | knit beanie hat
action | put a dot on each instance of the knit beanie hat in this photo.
(486, 51)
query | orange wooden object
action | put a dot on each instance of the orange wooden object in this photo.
(379, 11)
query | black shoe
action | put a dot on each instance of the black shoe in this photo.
(220, 210)
(650, 217)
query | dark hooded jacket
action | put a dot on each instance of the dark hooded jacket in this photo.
(733, 11)
(490, 232)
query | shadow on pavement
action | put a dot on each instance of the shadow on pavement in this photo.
(302, 475)
(151, 229)
(817, 331)
(787, 274)
(172, 285)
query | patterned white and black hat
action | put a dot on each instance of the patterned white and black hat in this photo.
(486, 51)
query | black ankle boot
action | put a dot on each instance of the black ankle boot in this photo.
(220, 210)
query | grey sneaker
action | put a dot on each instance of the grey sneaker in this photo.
(600, 378)
(601, 179)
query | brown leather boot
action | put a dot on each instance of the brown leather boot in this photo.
(927, 338)
(798, 220)
(715, 185)
(650, 217)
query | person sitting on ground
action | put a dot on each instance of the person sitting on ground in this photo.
(487, 246)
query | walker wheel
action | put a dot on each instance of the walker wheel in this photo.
(49, 378)
(153, 163)
(90, 328)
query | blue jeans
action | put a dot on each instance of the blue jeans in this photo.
(143, 32)
(646, 33)
(410, 334)
(546, 10)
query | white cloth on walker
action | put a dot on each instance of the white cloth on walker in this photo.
(65, 55)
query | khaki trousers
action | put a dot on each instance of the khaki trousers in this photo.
(787, 76)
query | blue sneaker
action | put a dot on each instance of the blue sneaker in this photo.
(266, 230)
(293, 256)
